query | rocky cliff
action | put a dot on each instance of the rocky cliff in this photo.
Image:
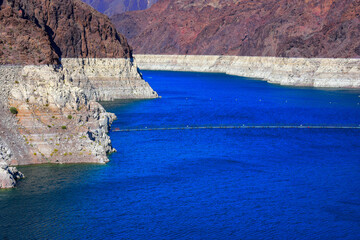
(42, 31)
(50, 113)
(107, 78)
(22, 41)
(111, 7)
(57, 59)
(282, 28)
(310, 72)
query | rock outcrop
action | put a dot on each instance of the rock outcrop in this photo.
(111, 7)
(314, 72)
(22, 41)
(43, 31)
(9, 176)
(280, 28)
(57, 59)
(107, 78)
(57, 118)
(58, 122)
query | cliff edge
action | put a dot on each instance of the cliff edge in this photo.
(57, 59)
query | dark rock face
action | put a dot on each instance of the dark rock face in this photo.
(22, 41)
(285, 28)
(42, 31)
(111, 7)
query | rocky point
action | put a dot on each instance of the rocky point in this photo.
(57, 59)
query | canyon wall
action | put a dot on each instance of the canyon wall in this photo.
(277, 28)
(107, 78)
(312, 72)
(55, 117)
(57, 59)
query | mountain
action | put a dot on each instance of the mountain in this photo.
(43, 31)
(285, 28)
(111, 7)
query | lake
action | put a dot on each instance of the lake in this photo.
(205, 183)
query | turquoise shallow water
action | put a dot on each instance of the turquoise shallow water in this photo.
(206, 183)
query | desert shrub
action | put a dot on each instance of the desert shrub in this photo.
(13, 110)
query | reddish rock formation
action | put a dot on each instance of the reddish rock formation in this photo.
(22, 41)
(110, 7)
(42, 31)
(287, 28)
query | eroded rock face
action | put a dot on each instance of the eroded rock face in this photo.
(57, 121)
(310, 72)
(42, 31)
(22, 41)
(107, 78)
(283, 28)
(56, 117)
(8, 175)
(111, 7)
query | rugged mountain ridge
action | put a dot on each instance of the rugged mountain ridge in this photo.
(111, 7)
(43, 31)
(282, 28)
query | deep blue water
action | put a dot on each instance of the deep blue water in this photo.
(207, 183)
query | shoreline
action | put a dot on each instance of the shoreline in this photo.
(341, 73)
(58, 118)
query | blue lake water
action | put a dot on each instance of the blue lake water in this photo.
(205, 183)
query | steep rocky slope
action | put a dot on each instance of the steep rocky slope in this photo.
(111, 7)
(42, 31)
(285, 28)
(22, 41)
(57, 59)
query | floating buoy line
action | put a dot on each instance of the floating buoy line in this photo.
(234, 127)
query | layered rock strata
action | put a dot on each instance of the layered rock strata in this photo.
(107, 78)
(54, 115)
(57, 118)
(312, 72)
